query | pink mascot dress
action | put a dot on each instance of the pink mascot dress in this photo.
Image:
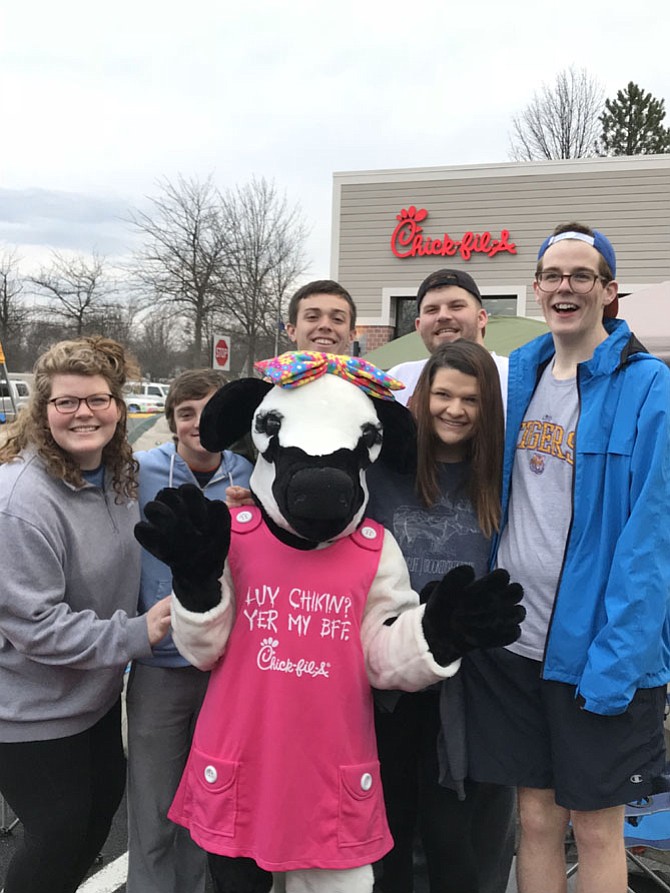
(283, 766)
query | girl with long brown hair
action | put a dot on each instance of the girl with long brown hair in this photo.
(459, 418)
(67, 611)
(442, 516)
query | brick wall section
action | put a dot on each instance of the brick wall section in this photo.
(372, 337)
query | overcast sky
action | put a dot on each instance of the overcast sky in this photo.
(99, 101)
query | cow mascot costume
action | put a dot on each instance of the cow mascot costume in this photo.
(298, 605)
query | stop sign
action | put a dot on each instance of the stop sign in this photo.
(221, 359)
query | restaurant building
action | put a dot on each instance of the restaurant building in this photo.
(393, 227)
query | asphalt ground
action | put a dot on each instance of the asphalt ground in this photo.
(146, 431)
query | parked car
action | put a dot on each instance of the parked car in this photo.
(19, 389)
(150, 388)
(138, 402)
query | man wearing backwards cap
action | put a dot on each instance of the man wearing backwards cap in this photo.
(449, 307)
(572, 712)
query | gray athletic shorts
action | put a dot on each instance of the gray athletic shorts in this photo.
(529, 732)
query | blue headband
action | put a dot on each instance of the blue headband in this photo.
(598, 241)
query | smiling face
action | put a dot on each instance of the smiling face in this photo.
(187, 431)
(323, 324)
(447, 314)
(454, 408)
(575, 318)
(85, 433)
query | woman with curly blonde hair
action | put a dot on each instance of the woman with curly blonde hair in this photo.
(67, 611)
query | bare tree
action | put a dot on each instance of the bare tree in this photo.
(180, 263)
(265, 253)
(156, 346)
(219, 259)
(40, 334)
(13, 311)
(116, 320)
(79, 289)
(561, 121)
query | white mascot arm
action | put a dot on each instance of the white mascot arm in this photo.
(395, 648)
(202, 637)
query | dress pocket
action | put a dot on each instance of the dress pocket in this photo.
(361, 808)
(214, 793)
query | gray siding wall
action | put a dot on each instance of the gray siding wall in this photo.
(629, 202)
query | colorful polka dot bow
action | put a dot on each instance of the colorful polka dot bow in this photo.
(296, 368)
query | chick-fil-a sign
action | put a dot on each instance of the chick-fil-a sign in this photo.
(408, 240)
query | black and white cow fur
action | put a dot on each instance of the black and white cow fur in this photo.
(314, 443)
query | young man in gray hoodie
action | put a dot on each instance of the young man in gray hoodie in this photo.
(164, 691)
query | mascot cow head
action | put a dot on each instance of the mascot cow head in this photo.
(317, 428)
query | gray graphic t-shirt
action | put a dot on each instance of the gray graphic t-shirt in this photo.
(433, 540)
(533, 542)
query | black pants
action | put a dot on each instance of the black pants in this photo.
(468, 844)
(65, 792)
(238, 875)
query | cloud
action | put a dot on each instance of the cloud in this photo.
(104, 105)
(53, 219)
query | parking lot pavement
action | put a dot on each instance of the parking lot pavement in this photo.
(145, 432)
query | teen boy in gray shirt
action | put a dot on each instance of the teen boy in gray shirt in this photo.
(572, 713)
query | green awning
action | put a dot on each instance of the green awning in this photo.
(503, 335)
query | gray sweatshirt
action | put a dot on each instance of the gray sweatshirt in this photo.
(68, 595)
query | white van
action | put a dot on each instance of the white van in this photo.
(142, 402)
(150, 388)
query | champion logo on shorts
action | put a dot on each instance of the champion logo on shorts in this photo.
(636, 779)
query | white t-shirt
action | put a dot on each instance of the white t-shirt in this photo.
(409, 374)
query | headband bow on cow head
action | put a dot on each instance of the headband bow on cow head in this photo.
(297, 368)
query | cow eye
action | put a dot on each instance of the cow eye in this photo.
(269, 423)
(371, 435)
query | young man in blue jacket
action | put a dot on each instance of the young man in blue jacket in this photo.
(572, 712)
(164, 691)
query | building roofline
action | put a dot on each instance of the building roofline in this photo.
(503, 169)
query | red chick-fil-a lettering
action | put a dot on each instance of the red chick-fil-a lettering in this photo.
(408, 240)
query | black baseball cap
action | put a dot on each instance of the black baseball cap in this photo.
(442, 278)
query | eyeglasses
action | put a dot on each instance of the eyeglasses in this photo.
(581, 281)
(69, 405)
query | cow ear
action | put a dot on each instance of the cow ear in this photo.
(227, 417)
(399, 445)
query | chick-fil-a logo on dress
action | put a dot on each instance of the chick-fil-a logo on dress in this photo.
(408, 239)
(267, 660)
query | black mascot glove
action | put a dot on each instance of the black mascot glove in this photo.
(463, 613)
(191, 534)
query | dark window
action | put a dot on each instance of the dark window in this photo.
(495, 305)
(500, 305)
(405, 314)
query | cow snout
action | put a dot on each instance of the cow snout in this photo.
(320, 493)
